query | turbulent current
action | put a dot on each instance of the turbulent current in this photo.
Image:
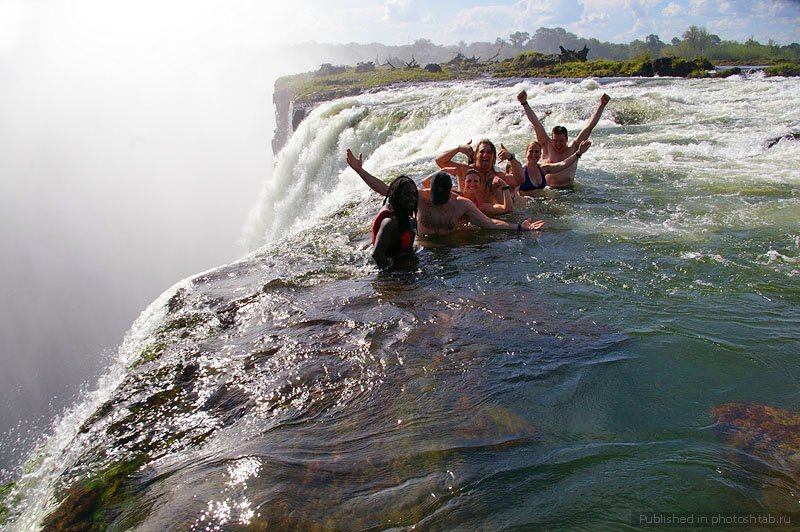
(637, 357)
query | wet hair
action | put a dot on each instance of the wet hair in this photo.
(560, 130)
(393, 197)
(533, 143)
(491, 145)
(441, 184)
(472, 171)
(469, 172)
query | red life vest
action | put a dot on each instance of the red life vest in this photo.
(406, 237)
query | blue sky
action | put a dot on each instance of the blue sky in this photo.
(391, 21)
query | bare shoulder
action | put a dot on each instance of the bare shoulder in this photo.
(462, 204)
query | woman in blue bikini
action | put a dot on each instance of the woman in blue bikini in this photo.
(531, 177)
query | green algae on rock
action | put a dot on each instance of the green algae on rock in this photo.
(764, 430)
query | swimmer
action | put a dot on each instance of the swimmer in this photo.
(438, 208)
(557, 149)
(472, 180)
(531, 177)
(393, 229)
(490, 190)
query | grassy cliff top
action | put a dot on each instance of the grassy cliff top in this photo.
(334, 82)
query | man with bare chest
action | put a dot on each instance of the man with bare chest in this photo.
(482, 160)
(558, 149)
(439, 209)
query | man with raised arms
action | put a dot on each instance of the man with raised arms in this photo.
(492, 185)
(438, 209)
(558, 149)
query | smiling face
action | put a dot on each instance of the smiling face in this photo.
(559, 142)
(485, 156)
(471, 183)
(533, 153)
(559, 138)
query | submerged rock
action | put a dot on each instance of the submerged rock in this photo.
(790, 136)
(98, 501)
(764, 430)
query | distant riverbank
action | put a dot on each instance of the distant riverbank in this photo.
(296, 95)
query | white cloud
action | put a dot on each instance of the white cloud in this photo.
(673, 10)
(400, 11)
(485, 23)
(725, 8)
(596, 18)
(702, 7)
(534, 8)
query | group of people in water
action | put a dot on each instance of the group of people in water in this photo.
(434, 208)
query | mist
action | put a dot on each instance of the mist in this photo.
(125, 166)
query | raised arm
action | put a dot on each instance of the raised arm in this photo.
(445, 159)
(517, 175)
(551, 168)
(587, 130)
(505, 205)
(357, 164)
(538, 128)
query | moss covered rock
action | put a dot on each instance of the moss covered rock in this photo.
(98, 502)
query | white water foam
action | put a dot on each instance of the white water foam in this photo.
(64, 444)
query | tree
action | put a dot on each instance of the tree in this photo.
(698, 40)
(653, 45)
(519, 38)
(547, 40)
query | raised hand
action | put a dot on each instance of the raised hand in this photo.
(522, 96)
(503, 154)
(355, 163)
(604, 99)
(467, 149)
(498, 182)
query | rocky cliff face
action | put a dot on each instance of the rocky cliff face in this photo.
(288, 115)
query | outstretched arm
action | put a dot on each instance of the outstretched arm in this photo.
(357, 164)
(587, 130)
(481, 220)
(538, 128)
(551, 168)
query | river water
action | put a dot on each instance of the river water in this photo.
(559, 379)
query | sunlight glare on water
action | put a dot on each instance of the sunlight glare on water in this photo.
(561, 379)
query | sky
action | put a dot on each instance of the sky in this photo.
(395, 22)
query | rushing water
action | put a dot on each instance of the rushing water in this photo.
(558, 379)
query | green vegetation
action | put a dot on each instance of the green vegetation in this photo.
(316, 86)
(5, 492)
(95, 503)
(783, 69)
(694, 42)
(527, 55)
(336, 82)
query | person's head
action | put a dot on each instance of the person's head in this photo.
(559, 138)
(472, 181)
(533, 152)
(402, 196)
(440, 188)
(485, 155)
